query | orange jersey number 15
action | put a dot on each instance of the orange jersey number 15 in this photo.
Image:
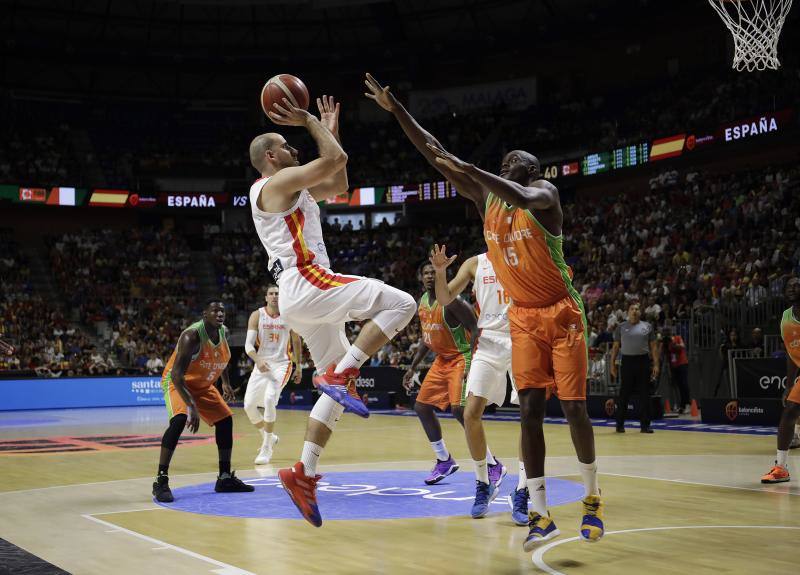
(510, 256)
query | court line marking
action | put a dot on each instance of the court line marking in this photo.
(538, 555)
(685, 482)
(225, 568)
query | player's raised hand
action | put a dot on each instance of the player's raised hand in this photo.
(288, 115)
(439, 259)
(381, 95)
(329, 113)
(447, 159)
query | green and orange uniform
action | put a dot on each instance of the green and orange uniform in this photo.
(790, 332)
(444, 383)
(203, 372)
(546, 315)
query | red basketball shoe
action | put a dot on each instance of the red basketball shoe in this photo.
(303, 491)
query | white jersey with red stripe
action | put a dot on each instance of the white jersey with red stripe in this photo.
(491, 297)
(292, 238)
(274, 343)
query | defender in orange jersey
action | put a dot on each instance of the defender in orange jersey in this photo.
(790, 332)
(448, 332)
(522, 227)
(189, 379)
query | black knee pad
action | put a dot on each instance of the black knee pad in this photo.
(173, 432)
(224, 433)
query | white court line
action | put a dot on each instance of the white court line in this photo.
(759, 490)
(225, 568)
(127, 511)
(538, 555)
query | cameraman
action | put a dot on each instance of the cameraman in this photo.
(679, 368)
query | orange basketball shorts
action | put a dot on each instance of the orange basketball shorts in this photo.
(444, 384)
(210, 405)
(548, 348)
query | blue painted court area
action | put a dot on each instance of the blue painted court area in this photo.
(90, 416)
(666, 424)
(362, 495)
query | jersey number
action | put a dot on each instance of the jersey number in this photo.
(274, 337)
(426, 337)
(502, 297)
(510, 256)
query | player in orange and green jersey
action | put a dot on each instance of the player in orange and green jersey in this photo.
(189, 379)
(448, 332)
(522, 227)
(790, 332)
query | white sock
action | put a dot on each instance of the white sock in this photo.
(783, 458)
(310, 457)
(489, 457)
(589, 474)
(538, 495)
(440, 449)
(267, 440)
(353, 358)
(522, 478)
(482, 471)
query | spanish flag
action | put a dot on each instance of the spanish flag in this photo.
(109, 198)
(667, 147)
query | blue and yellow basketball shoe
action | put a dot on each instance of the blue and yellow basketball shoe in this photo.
(592, 524)
(542, 529)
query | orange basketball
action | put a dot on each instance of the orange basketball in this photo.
(284, 86)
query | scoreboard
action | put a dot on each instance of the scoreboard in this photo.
(629, 156)
(596, 163)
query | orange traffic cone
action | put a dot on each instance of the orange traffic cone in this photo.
(695, 411)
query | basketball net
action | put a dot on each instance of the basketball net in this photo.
(756, 26)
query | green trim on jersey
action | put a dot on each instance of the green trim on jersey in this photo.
(458, 334)
(788, 317)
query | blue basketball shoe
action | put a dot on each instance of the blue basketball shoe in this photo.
(484, 495)
(518, 500)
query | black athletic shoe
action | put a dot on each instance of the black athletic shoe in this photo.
(229, 483)
(646, 430)
(161, 490)
(620, 429)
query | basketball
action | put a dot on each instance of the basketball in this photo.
(284, 86)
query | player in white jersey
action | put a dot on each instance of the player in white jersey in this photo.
(277, 357)
(314, 301)
(486, 382)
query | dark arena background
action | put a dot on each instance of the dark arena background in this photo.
(125, 208)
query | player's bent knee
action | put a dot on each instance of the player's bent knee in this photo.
(574, 410)
(251, 410)
(173, 432)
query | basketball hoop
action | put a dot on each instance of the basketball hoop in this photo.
(756, 26)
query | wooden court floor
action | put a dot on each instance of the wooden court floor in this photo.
(676, 502)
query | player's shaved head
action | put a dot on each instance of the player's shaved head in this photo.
(528, 158)
(260, 145)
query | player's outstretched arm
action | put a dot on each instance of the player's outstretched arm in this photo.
(447, 292)
(420, 137)
(540, 195)
(337, 183)
(332, 157)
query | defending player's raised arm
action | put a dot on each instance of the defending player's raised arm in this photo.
(539, 195)
(447, 292)
(332, 157)
(463, 313)
(337, 183)
(420, 137)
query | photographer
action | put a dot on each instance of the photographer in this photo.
(679, 368)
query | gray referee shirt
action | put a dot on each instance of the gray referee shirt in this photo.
(634, 338)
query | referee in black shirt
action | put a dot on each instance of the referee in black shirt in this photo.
(637, 340)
